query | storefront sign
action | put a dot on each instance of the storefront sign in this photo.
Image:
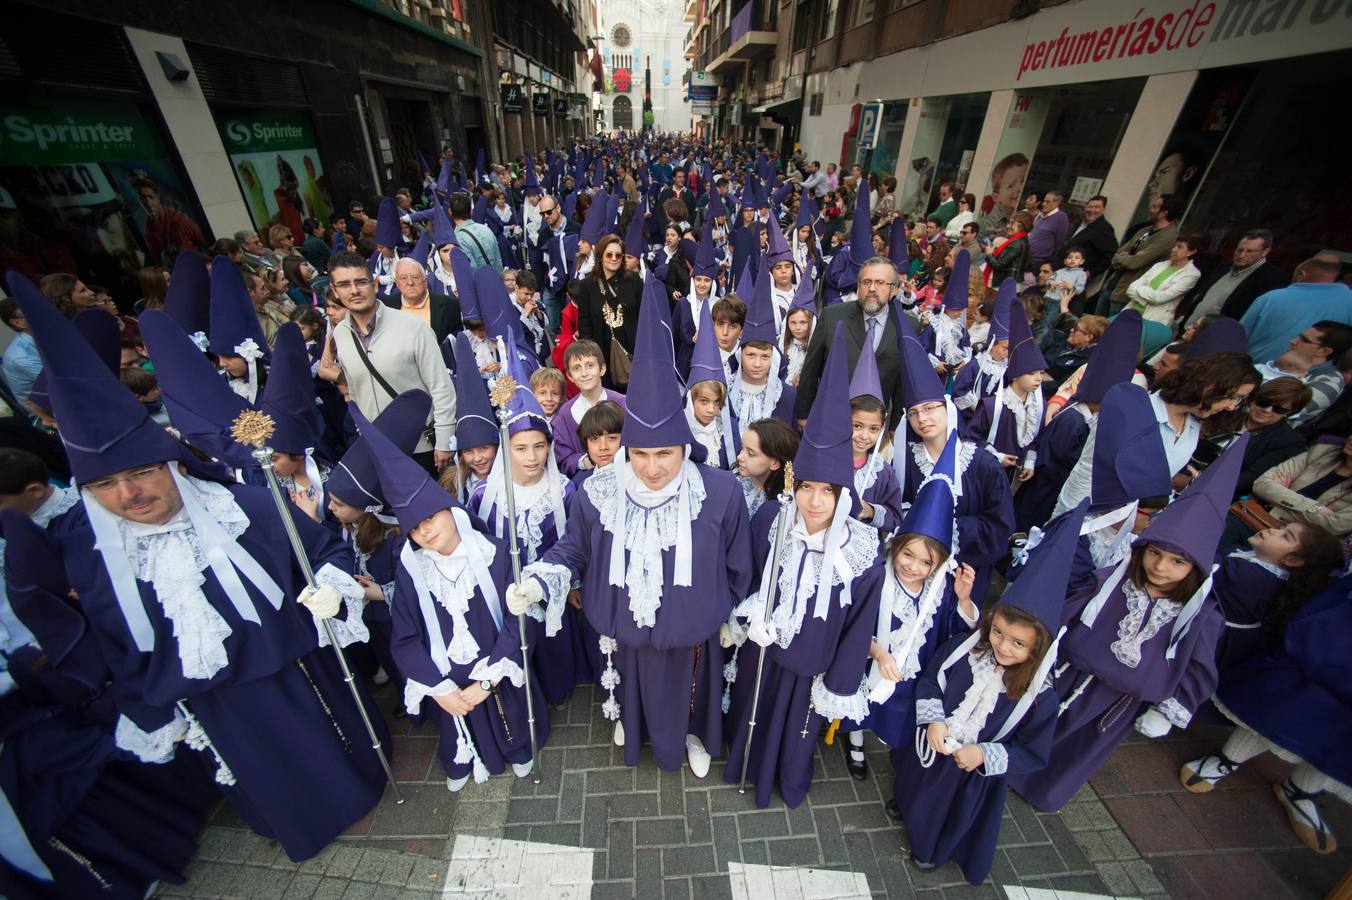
(560, 107)
(513, 99)
(540, 104)
(276, 161)
(1084, 189)
(870, 119)
(41, 135)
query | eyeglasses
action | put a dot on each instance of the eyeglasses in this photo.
(1277, 408)
(1305, 340)
(410, 279)
(875, 282)
(138, 476)
(613, 255)
(924, 409)
(358, 283)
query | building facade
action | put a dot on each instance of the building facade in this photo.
(638, 39)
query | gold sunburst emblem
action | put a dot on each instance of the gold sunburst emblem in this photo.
(252, 428)
(503, 389)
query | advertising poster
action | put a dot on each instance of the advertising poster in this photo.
(90, 189)
(1013, 159)
(277, 165)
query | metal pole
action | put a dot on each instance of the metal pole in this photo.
(264, 457)
(515, 550)
(781, 525)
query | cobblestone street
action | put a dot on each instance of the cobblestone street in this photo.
(596, 828)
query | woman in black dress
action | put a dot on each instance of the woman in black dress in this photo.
(607, 306)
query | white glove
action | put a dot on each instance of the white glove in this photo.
(725, 636)
(323, 602)
(761, 633)
(520, 597)
(1153, 724)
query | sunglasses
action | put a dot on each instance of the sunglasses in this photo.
(1278, 409)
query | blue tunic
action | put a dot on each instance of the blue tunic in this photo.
(1246, 592)
(883, 493)
(952, 815)
(809, 678)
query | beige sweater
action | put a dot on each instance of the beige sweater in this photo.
(1303, 469)
(404, 351)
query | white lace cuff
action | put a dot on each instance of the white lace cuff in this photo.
(990, 448)
(388, 590)
(965, 402)
(503, 668)
(1029, 460)
(150, 746)
(557, 581)
(1174, 711)
(997, 759)
(972, 622)
(835, 706)
(928, 711)
(415, 692)
(350, 629)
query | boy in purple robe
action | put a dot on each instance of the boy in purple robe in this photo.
(878, 496)
(945, 335)
(1060, 441)
(1141, 645)
(983, 508)
(703, 293)
(586, 367)
(815, 638)
(1008, 422)
(188, 582)
(757, 389)
(707, 412)
(452, 638)
(632, 538)
(541, 496)
(984, 714)
(1291, 700)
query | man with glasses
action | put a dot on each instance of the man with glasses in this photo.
(1230, 290)
(559, 253)
(440, 312)
(865, 319)
(383, 352)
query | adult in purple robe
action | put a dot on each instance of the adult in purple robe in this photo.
(1134, 654)
(633, 534)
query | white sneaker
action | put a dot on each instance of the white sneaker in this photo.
(697, 756)
(455, 784)
(381, 677)
(521, 770)
(618, 735)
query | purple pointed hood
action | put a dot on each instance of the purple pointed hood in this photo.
(635, 244)
(865, 381)
(404, 484)
(479, 213)
(188, 299)
(1129, 462)
(1191, 525)
(353, 480)
(1005, 299)
(422, 249)
(497, 309)
(443, 229)
(612, 219)
(807, 211)
(531, 185)
(594, 226)
(103, 332)
(760, 307)
(706, 257)
(898, 249)
(289, 396)
(826, 452)
(931, 513)
(233, 320)
(1024, 355)
(919, 382)
(387, 224)
(104, 427)
(523, 410)
(655, 409)
(716, 207)
(475, 423)
(805, 296)
(463, 270)
(1221, 336)
(861, 231)
(776, 247)
(955, 292)
(706, 363)
(746, 281)
(1114, 358)
(199, 402)
(1040, 590)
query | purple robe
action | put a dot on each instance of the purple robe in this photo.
(568, 447)
(952, 815)
(498, 725)
(684, 326)
(893, 720)
(1058, 447)
(883, 493)
(1295, 694)
(983, 516)
(977, 424)
(1101, 716)
(329, 777)
(841, 277)
(970, 380)
(816, 678)
(562, 657)
(674, 665)
(380, 565)
(1246, 592)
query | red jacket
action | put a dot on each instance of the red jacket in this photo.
(567, 334)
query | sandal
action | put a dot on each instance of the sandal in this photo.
(1200, 775)
(1312, 831)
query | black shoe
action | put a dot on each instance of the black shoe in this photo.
(858, 768)
(893, 811)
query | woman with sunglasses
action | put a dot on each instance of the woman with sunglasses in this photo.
(1272, 440)
(607, 303)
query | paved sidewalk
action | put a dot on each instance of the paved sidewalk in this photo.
(652, 834)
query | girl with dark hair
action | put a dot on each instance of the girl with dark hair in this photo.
(767, 446)
(299, 277)
(1195, 391)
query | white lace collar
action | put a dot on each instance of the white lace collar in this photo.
(749, 402)
(1144, 618)
(966, 451)
(1263, 564)
(800, 574)
(993, 370)
(1027, 414)
(58, 501)
(988, 683)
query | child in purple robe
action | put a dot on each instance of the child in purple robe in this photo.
(1291, 700)
(875, 484)
(706, 403)
(768, 446)
(452, 637)
(984, 702)
(586, 366)
(984, 374)
(541, 495)
(687, 315)
(756, 389)
(814, 639)
(1008, 422)
(476, 425)
(1141, 646)
(926, 599)
(945, 333)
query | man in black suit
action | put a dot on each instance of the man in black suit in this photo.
(440, 312)
(1094, 236)
(867, 317)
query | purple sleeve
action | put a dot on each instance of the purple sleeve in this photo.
(568, 449)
